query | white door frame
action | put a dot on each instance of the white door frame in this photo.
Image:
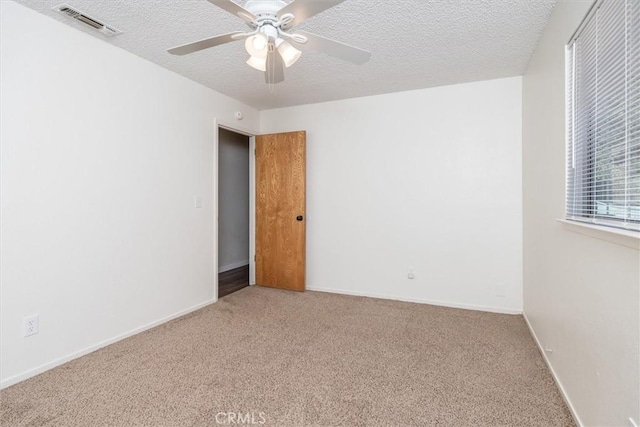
(234, 127)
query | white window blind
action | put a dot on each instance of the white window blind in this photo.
(603, 117)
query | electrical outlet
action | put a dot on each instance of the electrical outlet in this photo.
(197, 202)
(410, 275)
(501, 291)
(31, 325)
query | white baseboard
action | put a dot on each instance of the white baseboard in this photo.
(232, 266)
(50, 365)
(418, 300)
(563, 392)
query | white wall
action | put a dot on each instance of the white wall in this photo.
(581, 294)
(233, 202)
(428, 180)
(102, 156)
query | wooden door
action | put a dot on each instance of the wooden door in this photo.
(280, 210)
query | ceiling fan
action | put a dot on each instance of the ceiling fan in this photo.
(270, 43)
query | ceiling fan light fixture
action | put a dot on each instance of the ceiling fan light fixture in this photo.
(270, 43)
(259, 64)
(288, 53)
(257, 45)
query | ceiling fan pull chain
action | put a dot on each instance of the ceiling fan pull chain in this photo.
(272, 69)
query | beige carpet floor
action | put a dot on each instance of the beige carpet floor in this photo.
(298, 359)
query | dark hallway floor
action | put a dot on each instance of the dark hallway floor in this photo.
(233, 280)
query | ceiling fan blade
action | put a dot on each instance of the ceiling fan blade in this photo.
(331, 47)
(203, 44)
(275, 68)
(305, 9)
(234, 9)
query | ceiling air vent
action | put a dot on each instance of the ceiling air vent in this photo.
(71, 12)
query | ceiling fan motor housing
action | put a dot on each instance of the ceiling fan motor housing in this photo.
(265, 10)
(267, 22)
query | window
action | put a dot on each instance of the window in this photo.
(603, 116)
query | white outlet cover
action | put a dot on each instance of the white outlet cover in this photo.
(31, 325)
(197, 202)
(500, 291)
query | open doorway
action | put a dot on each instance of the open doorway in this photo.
(233, 211)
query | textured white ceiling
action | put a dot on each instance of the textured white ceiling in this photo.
(414, 44)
